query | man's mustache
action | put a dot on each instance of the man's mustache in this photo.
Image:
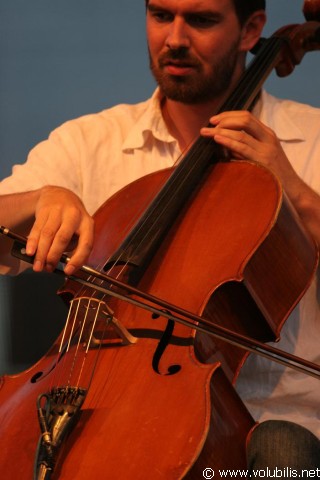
(180, 54)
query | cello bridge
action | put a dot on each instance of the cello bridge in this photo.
(98, 325)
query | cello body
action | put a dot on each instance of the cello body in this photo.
(237, 255)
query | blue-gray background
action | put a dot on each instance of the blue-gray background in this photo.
(64, 58)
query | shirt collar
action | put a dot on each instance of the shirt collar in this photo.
(150, 123)
(268, 109)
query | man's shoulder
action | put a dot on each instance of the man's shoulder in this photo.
(292, 107)
(290, 119)
(120, 114)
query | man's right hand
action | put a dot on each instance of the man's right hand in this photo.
(61, 224)
(55, 221)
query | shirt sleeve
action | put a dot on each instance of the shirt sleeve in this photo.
(55, 161)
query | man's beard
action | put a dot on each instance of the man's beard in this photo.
(197, 88)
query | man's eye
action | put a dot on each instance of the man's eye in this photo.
(161, 17)
(201, 21)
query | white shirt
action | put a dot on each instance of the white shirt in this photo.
(98, 154)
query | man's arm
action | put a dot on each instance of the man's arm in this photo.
(53, 218)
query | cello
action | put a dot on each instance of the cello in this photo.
(131, 393)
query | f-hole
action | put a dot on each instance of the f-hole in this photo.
(162, 345)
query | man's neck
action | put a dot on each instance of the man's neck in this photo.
(184, 121)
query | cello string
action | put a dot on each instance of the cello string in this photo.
(80, 336)
(87, 350)
(85, 331)
(62, 349)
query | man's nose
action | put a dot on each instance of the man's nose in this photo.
(178, 34)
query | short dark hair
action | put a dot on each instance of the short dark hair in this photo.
(244, 8)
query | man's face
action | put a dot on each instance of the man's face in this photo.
(194, 47)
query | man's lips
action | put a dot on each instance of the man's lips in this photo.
(178, 68)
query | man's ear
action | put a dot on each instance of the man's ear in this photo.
(252, 30)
